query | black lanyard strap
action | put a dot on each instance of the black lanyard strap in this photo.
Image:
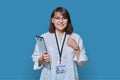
(60, 51)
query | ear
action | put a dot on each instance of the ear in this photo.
(52, 20)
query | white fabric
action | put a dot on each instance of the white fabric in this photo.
(68, 58)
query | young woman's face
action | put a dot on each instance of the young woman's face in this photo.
(59, 21)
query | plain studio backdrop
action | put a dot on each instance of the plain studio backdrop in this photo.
(97, 21)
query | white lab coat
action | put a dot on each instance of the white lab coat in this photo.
(68, 58)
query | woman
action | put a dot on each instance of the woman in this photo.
(65, 49)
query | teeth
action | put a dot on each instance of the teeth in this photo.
(60, 24)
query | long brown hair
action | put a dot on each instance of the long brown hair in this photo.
(65, 13)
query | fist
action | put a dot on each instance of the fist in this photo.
(72, 43)
(46, 57)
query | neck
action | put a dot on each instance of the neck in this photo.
(60, 33)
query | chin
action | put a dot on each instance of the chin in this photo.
(62, 30)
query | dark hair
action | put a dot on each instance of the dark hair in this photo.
(64, 12)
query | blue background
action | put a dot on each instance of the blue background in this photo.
(97, 21)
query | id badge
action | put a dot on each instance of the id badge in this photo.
(60, 69)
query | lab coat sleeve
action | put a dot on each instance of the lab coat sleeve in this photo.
(35, 56)
(82, 58)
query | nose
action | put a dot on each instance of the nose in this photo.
(61, 20)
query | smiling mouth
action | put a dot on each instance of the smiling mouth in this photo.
(61, 24)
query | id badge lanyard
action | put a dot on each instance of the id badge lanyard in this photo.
(60, 51)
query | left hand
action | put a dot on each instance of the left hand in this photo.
(72, 43)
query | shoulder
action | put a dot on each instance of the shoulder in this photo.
(75, 35)
(47, 35)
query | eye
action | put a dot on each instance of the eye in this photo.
(57, 18)
(64, 18)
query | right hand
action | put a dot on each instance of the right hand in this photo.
(46, 57)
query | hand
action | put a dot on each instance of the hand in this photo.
(72, 43)
(46, 57)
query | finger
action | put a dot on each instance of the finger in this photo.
(47, 60)
(45, 52)
(69, 38)
(47, 56)
(68, 43)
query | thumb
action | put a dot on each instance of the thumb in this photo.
(45, 52)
